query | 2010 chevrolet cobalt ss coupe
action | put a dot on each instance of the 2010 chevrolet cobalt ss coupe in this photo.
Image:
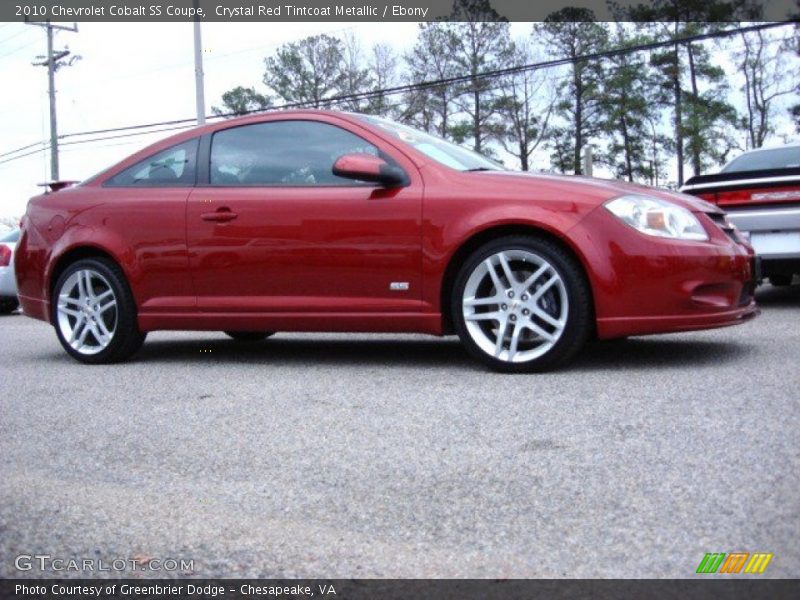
(327, 221)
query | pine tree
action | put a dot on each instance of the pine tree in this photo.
(572, 33)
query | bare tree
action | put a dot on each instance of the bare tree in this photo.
(525, 106)
(431, 59)
(356, 76)
(383, 66)
(767, 77)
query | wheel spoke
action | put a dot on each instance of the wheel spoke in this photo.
(103, 328)
(507, 269)
(481, 301)
(101, 332)
(512, 347)
(65, 299)
(71, 312)
(501, 335)
(532, 279)
(89, 286)
(541, 332)
(487, 316)
(546, 286)
(547, 318)
(100, 297)
(84, 333)
(493, 274)
(102, 310)
(76, 330)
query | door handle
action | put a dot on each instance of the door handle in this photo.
(221, 215)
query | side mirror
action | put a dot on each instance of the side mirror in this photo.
(366, 167)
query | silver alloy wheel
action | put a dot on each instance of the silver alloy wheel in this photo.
(87, 311)
(515, 305)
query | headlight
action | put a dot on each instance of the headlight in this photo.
(657, 217)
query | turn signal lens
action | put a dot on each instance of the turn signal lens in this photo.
(657, 217)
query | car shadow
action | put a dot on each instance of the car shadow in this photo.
(445, 352)
(657, 352)
(434, 352)
(768, 296)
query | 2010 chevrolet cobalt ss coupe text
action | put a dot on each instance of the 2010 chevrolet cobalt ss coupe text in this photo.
(327, 221)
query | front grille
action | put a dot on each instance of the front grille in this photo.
(722, 222)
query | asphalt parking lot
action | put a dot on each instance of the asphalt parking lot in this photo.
(370, 456)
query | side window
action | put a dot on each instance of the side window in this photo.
(173, 167)
(291, 153)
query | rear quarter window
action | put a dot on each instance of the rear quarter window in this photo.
(173, 167)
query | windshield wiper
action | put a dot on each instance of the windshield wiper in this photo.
(476, 169)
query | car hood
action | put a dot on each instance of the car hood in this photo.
(592, 189)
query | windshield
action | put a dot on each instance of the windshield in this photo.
(761, 160)
(439, 149)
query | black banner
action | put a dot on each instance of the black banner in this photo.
(379, 10)
(388, 589)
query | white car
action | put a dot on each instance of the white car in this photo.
(760, 192)
(8, 282)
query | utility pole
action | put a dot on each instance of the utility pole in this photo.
(588, 160)
(199, 86)
(51, 61)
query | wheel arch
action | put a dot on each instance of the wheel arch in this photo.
(73, 254)
(478, 239)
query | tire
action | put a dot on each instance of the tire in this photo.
(550, 317)
(94, 313)
(249, 336)
(8, 305)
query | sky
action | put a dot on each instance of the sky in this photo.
(138, 73)
(131, 73)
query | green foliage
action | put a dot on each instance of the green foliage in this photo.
(242, 100)
(629, 105)
(479, 47)
(308, 71)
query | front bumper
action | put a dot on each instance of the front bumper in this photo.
(646, 285)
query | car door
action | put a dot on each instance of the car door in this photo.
(274, 230)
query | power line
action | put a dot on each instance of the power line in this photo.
(18, 48)
(19, 33)
(21, 148)
(369, 94)
(466, 78)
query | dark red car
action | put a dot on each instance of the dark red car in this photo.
(327, 221)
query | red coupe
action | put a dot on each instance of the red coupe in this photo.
(328, 221)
